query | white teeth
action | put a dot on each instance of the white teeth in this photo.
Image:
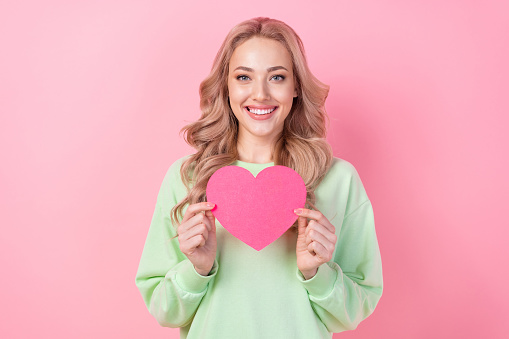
(260, 111)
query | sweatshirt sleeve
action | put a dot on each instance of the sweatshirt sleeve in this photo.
(170, 286)
(346, 290)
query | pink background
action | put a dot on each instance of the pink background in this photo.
(94, 93)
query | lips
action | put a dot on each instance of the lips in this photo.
(260, 112)
(261, 109)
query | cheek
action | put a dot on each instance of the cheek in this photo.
(284, 94)
(237, 93)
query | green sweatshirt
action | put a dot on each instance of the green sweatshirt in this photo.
(251, 294)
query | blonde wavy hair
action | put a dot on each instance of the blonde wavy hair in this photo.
(301, 146)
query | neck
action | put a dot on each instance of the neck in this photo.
(255, 150)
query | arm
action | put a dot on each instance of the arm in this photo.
(169, 284)
(346, 290)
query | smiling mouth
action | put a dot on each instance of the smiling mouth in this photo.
(260, 111)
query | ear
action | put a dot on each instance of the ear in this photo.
(295, 93)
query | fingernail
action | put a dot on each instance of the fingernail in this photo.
(209, 204)
(297, 211)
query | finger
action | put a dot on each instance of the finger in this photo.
(321, 239)
(320, 252)
(314, 235)
(199, 218)
(315, 226)
(311, 248)
(196, 230)
(302, 224)
(196, 208)
(195, 242)
(201, 240)
(212, 219)
(317, 216)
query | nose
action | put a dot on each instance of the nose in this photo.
(261, 91)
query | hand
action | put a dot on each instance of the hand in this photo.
(315, 243)
(197, 236)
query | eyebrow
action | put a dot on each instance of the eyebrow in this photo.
(270, 69)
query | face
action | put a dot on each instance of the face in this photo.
(261, 87)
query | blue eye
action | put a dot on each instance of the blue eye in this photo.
(278, 77)
(242, 77)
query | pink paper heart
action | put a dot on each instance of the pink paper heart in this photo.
(258, 210)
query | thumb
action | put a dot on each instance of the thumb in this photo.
(212, 219)
(302, 223)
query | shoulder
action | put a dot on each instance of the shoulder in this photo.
(174, 169)
(341, 170)
(172, 187)
(343, 185)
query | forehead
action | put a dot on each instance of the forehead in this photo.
(260, 54)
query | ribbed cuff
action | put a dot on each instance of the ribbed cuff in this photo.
(321, 285)
(190, 280)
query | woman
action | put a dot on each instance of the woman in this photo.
(261, 106)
